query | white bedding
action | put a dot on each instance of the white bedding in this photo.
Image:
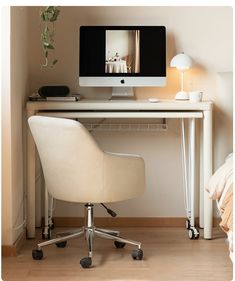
(220, 188)
(217, 183)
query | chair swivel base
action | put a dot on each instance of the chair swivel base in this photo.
(89, 230)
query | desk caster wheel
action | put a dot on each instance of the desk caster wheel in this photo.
(61, 244)
(37, 254)
(137, 254)
(187, 224)
(193, 233)
(119, 244)
(86, 262)
(52, 224)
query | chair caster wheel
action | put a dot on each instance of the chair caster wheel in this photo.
(137, 254)
(46, 236)
(61, 244)
(86, 262)
(187, 224)
(193, 233)
(119, 244)
(37, 254)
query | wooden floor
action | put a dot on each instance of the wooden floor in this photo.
(168, 256)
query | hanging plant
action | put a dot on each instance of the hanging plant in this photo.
(49, 16)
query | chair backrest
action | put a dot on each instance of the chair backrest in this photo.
(71, 160)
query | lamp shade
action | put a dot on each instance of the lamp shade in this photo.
(181, 62)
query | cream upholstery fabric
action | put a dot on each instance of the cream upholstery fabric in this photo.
(77, 170)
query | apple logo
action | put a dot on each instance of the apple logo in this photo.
(122, 81)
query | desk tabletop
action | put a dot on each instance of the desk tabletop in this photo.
(85, 104)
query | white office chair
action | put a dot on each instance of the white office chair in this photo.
(77, 170)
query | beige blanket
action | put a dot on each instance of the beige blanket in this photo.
(220, 188)
(226, 210)
(218, 181)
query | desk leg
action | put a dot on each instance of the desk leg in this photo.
(30, 184)
(192, 147)
(185, 168)
(207, 172)
(201, 185)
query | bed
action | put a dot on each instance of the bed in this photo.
(220, 188)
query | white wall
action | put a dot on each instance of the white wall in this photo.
(205, 33)
(6, 130)
(117, 41)
(14, 95)
(223, 117)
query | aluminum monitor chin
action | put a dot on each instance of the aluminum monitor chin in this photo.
(122, 56)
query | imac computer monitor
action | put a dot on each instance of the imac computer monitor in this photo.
(122, 57)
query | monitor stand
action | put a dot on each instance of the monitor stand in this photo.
(122, 93)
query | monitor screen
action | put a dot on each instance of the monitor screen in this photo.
(122, 56)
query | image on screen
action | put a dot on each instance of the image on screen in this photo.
(122, 51)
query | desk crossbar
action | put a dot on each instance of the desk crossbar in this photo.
(113, 114)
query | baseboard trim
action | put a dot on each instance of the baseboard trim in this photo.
(8, 251)
(127, 221)
(12, 250)
(121, 221)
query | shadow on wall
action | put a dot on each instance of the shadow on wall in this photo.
(223, 118)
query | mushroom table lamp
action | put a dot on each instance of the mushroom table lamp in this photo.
(182, 62)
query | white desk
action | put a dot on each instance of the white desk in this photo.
(128, 109)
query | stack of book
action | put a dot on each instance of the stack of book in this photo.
(37, 97)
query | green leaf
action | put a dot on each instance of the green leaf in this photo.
(54, 17)
(46, 63)
(50, 46)
(54, 61)
(50, 9)
(43, 16)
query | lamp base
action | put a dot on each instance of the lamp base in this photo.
(182, 95)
